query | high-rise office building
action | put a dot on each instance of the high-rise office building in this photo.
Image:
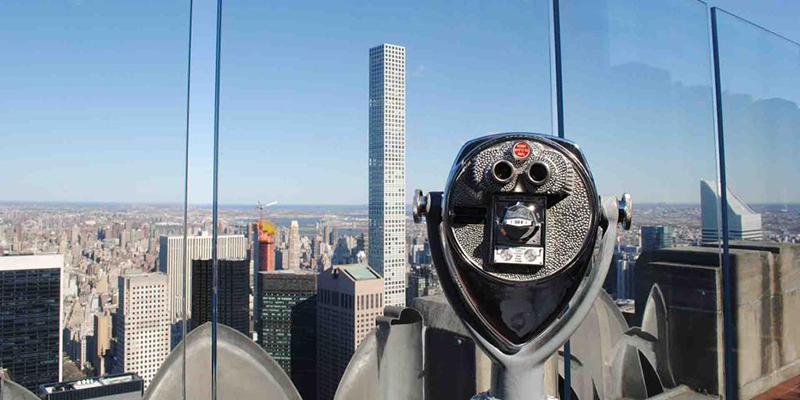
(743, 222)
(422, 281)
(111, 387)
(317, 247)
(30, 318)
(74, 345)
(281, 234)
(655, 237)
(294, 246)
(349, 299)
(326, 233)
(330, 236)
(99, 344)
(264, 259)
(419, 253)
(387, 168)
(625, 279)
(141, 324)
(264, 245)
(620, 281)
(170, 262)
(233, 293)
(281, 259)
(288, 325)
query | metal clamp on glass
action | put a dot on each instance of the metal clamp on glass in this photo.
(512, 238)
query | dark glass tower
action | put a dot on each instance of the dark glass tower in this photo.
(233, 306)
(655, 237)
(288, 305)
(30, 308)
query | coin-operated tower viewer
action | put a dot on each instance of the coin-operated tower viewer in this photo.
(512, 238)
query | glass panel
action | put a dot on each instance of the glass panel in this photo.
(92, 147)
(760, 83)
(295, 138)
(638, 100)
(199, 234)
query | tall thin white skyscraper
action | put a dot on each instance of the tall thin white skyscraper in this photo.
(294, 245)
(387, 169)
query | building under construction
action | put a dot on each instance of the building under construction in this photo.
(264, 245)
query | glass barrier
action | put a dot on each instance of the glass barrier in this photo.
(282, 221)
(759, 74)
(92, 163)
(328, 111)
(638, 99)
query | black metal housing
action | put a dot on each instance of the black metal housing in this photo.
(498, 309)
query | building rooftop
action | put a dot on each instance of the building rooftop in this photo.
(206, 235)
(39, 261)
(87, 383)
(735, 203)
(359, 272)
(132, 272)
(290, 271)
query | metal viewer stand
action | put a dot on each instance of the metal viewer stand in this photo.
(513, 240)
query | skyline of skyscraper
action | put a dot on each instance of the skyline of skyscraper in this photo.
(264, 245)
(294, 246)
(349, 299)
(655, 237)
(329, 235)
(31, 342)
(265, 258)
(141, 324)
(387, 177)
(233, 304)
(99, 344)
(287, 324)
(625, 274)
(422, 281)
(743, 222)
(170, 262)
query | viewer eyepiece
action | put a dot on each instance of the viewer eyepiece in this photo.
(502, 171)
(538, 173)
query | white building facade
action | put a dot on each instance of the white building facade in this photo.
(142, 325)
(170, 262)
(387, 169)
(743, 222)
(294, 246)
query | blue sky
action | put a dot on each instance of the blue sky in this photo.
(94, 95)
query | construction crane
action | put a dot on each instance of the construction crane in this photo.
(265, 231)
(261, 221)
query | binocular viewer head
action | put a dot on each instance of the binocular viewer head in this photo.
(513, 234)
(521, 208)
